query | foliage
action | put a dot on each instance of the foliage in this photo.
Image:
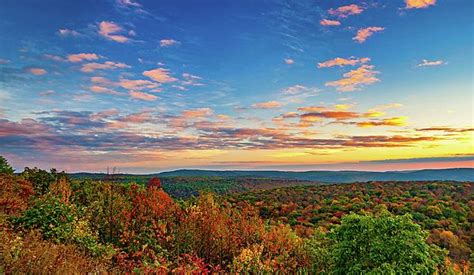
(29, 254)
(15, 194)
(382, 244)
(50, 224)
(41, 179)
(435, 206)
(5, 167)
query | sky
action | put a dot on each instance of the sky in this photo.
(148, 86)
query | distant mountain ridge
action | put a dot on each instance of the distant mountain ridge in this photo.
(454, 174)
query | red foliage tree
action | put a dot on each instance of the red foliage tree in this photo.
(153, 182)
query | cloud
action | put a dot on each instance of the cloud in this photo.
(343, 107)
(68, 32)
(128, 3)
(54, 57)
(168, 42)
(267, 105)
(418, 4)
(82, 56)
(446, 129)
(138, 84)
(142, 96)
(47, 93)
(337, 115)
(36, 71)
(365, 33)
(102, 90)
(109, 30)
(196, 113)
(108, 65)
(345, 11)
(105, 114)
(191, 80)
(327, 22)
(355, 79)
(101, 80)
(312, 109)
(339, 61)
(289, 61)
(4, 61)
(393, 121)
(159, 75)
(426, 63)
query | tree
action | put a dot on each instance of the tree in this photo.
(383, 244)
(5, 166)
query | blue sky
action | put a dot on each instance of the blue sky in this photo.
(235, 84)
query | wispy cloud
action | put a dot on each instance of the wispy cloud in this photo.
(365, 33)
(427, 63)
(68, 32)
(47, 93)
(168, 42)
(393, 121)
(142, 96)
(54, 57)
(102, 90)
(339, 61)
(289, 61)
(267, 105)
(327, 22)
(108, 65)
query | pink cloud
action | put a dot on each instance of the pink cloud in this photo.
(159, 75)
(197, 113)
(138, 84)
(109, 30)
(142, 96)
(345, 11)
(267, 105)
(338, 61)
(37, 71)
(289, 61)
(167, 42)
(108, 65)
(418, 4)
(102, 90)
(365, 33)
(353, 80)
(327, 22)
(82, 56)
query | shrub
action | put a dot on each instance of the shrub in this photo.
(30, 254)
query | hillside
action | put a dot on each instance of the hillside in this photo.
(458, 174)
